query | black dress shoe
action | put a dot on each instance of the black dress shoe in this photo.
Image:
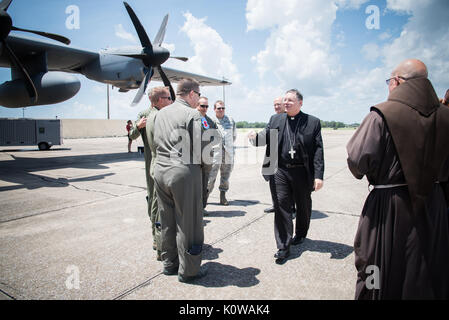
(188, 279)
(297, 240)
(268, 210)
(282, 254)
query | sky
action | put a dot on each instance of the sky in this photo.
(337, 53)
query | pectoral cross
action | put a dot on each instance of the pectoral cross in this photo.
(292, 152)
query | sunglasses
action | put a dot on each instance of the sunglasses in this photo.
(204, 106)
(199, 94)
(169, 98)
(221, 108)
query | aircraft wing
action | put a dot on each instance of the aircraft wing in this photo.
(176, 75)
(59, 57)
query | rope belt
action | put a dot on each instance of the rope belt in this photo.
(387, 186)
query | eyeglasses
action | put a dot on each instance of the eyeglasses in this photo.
(399, 77)
(199, 94)
(204, 106)
(221, 108)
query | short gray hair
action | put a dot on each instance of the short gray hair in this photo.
(297, 93)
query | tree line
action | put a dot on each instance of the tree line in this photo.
(324, 124)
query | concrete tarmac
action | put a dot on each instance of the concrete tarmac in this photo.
(74, 225)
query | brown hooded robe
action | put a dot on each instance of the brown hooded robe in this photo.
(404, 230)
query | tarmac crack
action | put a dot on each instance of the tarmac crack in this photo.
(6, 293)
(86, 189)
(141, 285)
(69, 207)
(336, 173)
(206, 249)
(340, 213)
(210, 247)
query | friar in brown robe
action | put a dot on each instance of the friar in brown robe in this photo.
(402, 242)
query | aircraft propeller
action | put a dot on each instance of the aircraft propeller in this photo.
(5, 28)
(152, 56)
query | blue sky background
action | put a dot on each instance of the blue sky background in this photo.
(321, 47)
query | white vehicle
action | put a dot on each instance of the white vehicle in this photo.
(28, 132)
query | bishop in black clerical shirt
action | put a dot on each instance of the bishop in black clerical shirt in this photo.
(294, 166)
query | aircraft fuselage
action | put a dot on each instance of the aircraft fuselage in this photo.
(119, 71)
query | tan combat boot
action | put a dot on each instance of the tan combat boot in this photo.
(223, 200)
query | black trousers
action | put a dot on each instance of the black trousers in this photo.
(288, 187)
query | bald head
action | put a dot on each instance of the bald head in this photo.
(278, 105)
(410, 68)
(406, 70)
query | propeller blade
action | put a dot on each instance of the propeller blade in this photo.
(161, 33)
(181, 58)
(5, 4)
(53, 36)
(167, 83)
(144, 40)
(142, 88)
(29, 85)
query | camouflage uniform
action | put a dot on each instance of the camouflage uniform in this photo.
(223, 153)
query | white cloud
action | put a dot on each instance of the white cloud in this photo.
(371, 51)
(407, 6)
(169, 46)
(213, 56)
(123, 34)
(384, 36)
(351, 4)
(424, 37)
(298, 50)
(341, 39)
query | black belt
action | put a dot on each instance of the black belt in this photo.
(291, 166)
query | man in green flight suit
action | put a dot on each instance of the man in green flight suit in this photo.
(159, 97)
(177, 175)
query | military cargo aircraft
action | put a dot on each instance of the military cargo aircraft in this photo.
(43, 71)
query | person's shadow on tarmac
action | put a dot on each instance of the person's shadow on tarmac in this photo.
(337, 250)
(222, 275)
